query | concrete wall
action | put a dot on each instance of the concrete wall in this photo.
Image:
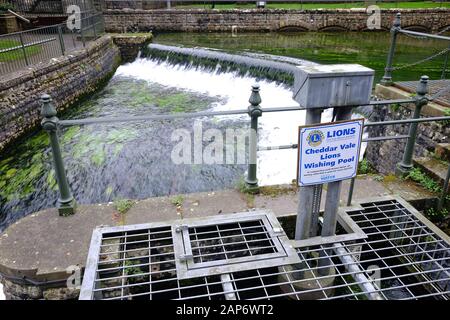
(200, 20)
(66, 79)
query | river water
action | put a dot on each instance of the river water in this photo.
(133, 160)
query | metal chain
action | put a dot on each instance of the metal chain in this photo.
(421, 61)
(440, 92)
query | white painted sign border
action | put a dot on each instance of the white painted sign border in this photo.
(359, 121)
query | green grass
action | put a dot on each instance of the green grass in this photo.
(123, 205)
(424, 180)
(364, 167)
(177, 201)
(311, 6)
(18, 53)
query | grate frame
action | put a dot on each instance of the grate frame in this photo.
(273, 232)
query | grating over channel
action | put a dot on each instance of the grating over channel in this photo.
(230, 241)
(404, 256)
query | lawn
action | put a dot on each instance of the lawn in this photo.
(18, 53)
(389, 5)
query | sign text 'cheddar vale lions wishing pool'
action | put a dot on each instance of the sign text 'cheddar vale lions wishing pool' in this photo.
(329, 152)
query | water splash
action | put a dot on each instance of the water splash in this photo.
(233, 90)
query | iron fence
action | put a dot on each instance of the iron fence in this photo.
(397, 30)
(49, 7)
(66, 201)
(26, 48)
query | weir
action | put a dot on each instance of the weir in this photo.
(262, 66)
(250, 255)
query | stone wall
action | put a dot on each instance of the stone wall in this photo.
(130, 45)
(200, 20)
(384, 155)
(66, 79)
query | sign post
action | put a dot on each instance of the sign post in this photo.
(328, 152)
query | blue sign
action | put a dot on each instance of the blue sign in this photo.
(328, 152)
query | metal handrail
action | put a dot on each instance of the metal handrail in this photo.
(395, 30)
(74, 122)
(66, 201)
(47, 42)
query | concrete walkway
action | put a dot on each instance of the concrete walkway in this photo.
(42, 245)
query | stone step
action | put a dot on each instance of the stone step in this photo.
(435, 168)
(442, 151)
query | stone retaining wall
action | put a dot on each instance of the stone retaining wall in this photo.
(66, 79)
(200, 20)
(384, 155)
(130, 45)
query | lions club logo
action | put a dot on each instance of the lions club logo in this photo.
(315, 138)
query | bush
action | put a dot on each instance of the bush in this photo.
(364, 167)
(123, 205)
(436, 215)
(4, 7)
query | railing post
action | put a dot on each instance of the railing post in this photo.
(82, 35)
(94, 24)
(61, 40)
(254, 111)
(387, 78)
(444, 68)
(66, 202)
(444, 191)
(421, 100)
(23, 49)
(350, 192)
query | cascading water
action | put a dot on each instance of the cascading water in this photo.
(133, 160)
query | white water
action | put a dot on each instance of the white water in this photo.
(2, 295)
(276, 128)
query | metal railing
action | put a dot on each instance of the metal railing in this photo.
(66, 201)
(26, 48)
(395, 31)
(49, 7)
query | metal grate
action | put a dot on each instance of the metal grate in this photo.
(229, 243)
(402, 256)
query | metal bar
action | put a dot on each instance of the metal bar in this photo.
(306, 193)
(387, 78)
(19, 16)
(406, 121)
(444, 67)
(27, 45)
(66, 203)
(421, 34)
(254, 111)
(350, 191)
(23, 49)
(151, 117)
(406, 164)
(61, 40)
(352, 266)
(444, 191)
